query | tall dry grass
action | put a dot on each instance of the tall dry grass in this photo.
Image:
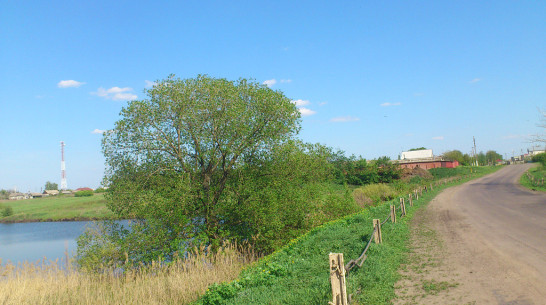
(179, 282)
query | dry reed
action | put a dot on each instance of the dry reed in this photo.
(179, 282)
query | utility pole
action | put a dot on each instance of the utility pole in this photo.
(475, 151)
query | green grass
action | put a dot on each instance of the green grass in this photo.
(439, 173)
(299, 272)
(57, 208)
(539, 174)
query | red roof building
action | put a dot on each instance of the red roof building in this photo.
(84, 189)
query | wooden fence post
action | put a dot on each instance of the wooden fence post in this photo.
(393, 213)
(402, 206)
(377, 232)
(410, 200)
(337, 279)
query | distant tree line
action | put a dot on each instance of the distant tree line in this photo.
(358, 171)
(488, 158)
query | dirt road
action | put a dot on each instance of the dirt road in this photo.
(483, 242)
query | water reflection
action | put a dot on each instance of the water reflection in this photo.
(33, 241)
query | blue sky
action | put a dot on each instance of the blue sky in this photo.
(372, 78)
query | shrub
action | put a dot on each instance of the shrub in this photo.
(373, 192)
(540, 158)
(7, 211)
(361, 199)
(83, 193)
(100, 190)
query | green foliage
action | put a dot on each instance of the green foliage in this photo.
(51, 186)
(55, 208)
(491, 157)
(4, 194)
(533, 178)
(418, 148)
(87, 193)
(298, 272)
(100, 190)
(7, 211)
(358, 171)
(205, 160)
(541, 158)
(454, 155)
(375, 193)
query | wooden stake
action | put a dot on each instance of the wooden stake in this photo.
(337, 279)
(410, 200)
(393, 213)
(377, 233)
(402, 206)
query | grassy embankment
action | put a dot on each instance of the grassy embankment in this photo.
(296, 274)
(299, 272)
(57, 208)
(534, 177)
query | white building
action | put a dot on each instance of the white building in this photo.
(417, 154)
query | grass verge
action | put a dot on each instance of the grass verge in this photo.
(299, 272)
(533, 178)
(57, 208)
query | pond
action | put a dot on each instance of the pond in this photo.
(32, 241)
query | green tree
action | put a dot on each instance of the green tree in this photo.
(454, 155)
(467, 159)
(51, 186)
(492, 156)
(482, 160)
(205, 160)
(418, 148)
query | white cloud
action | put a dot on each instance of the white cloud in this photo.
(322, 103)
(475, 80)
(270, 82)
(149, 84)
(300, 103)
(283, 81)
(116, 93)
(306, 111)
(390, 104)
(438, 138)
(69, 84)
(98, 131)
(343, 119)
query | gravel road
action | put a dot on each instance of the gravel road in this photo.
(492, 237)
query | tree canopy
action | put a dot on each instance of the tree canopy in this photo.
(204, 160)
(51, 186)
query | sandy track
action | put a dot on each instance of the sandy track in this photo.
(483, 242)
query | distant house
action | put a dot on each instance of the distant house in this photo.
(423, 159)
(535, 151)
(51, 192)
(17, 196)
(66, 192)
(36, 195)
(84, 189)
